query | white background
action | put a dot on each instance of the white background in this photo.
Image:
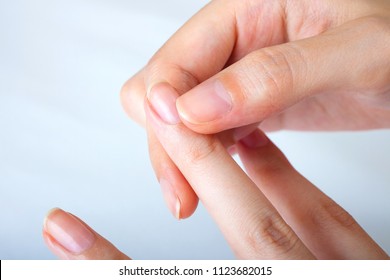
(65, 141)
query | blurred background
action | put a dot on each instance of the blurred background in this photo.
(66, 142)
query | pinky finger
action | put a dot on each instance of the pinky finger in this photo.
(69, 238)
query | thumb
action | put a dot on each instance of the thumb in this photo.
(270, 80)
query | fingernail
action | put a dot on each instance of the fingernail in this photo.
(254, 140)
(69, 232)
(162, 98)
(205, 103)
(171, 198)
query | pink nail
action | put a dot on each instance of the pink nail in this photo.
(205, 103)
(68, 231)
(254, 140)
(162, 98)
(171, 198)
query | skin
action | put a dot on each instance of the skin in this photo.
(319, 65)
(262, 216)
(285, 66)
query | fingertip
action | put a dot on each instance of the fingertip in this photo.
(54, 247)
(68, 237)
(254, 140)
(49, 214)
(188, 208)
(162, 99)
(179, 196)
(232, 150)
(171, 198)
(260, 155)
(68, 232)
(187, 198)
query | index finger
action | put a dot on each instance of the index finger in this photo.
(214, 38)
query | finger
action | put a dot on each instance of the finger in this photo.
(269, 80)
(132, 98)
(222, 32)
(232, 136)
(178, 194)
(183, 71)
(70, 238)
(324, 227)
(246, 218)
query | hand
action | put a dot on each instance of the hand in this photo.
(273, 214)
(312, 65)
(70, 238)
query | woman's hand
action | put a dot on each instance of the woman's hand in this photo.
(275, 213)
(304, 65)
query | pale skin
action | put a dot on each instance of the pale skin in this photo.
(319, 65)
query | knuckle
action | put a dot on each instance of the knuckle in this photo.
(272, 66)
(201, 151)
(272, 236)
(277, 70)
(153, 67)
(328, 215)
(162, 70)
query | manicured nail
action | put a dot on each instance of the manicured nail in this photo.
(205, 103)
(254, 140)
(69, 232)
(162, 98)
(171, 198)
